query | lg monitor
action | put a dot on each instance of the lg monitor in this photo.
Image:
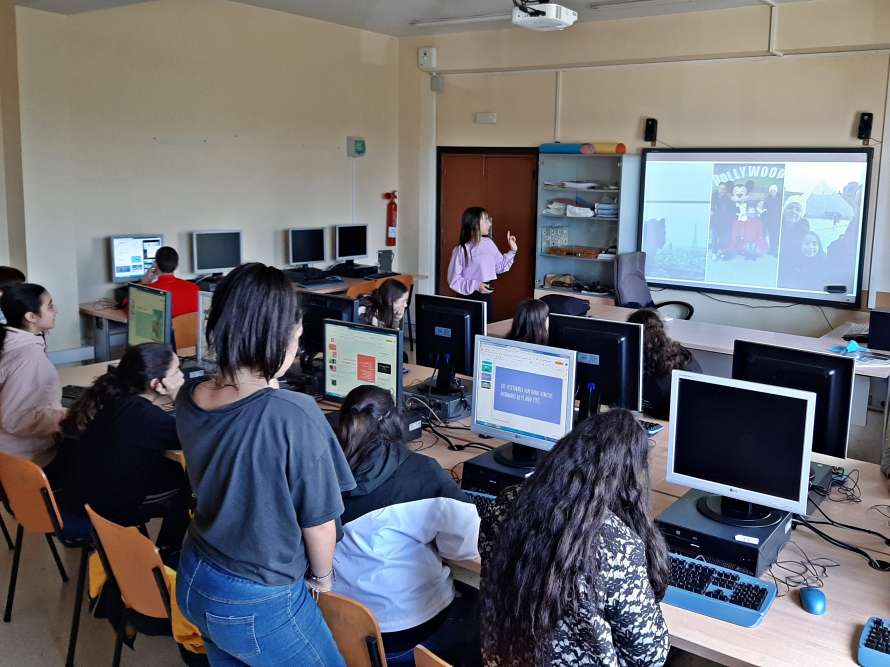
(149, 319)
(747, 444)
(446, 329)
(523, 393)
(357, 354)
(351, 242)
(132, 256)
(216, 252)
(316, 309)
(829, 376)
(610, 357)
(305, 245)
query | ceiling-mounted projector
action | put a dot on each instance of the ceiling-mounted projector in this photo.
(544, 17)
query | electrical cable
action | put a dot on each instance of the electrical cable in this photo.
(805, 572)
(832, 522)
(875, 564)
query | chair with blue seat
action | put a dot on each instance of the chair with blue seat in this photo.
(30, 500)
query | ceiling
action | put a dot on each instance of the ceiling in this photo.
(395, 17)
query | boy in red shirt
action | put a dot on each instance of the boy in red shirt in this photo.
(160, 276)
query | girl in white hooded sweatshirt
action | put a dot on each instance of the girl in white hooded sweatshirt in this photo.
(30, 392)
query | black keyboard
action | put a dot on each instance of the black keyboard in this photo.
(378, 276)
(321, 280)
(72, 392)
(651, 427)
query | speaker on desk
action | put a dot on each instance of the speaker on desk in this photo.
(863, 132)
(650, 131)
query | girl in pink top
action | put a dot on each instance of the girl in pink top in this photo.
(476, 261)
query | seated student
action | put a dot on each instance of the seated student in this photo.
(573, 567)
(9, 275)
(116, 436)
(386, 306)
(405, 515)
(160, 276)
(531, 323)
(30, 392)
(661, 355)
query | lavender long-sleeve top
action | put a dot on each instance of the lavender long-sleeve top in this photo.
(485, 263)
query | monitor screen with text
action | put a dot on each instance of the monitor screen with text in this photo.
(355, 354)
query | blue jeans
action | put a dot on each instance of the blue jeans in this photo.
(246, 623)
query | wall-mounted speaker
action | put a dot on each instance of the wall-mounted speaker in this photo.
(650, 131)
(863, 132)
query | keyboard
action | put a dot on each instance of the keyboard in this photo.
(378, 276)
(651, 427)
(483, 501)
(874, 643)
(323, 280)
(72, 392)
(718, 592)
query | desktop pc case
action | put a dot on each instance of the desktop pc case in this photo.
(484, 475)
(750, 550)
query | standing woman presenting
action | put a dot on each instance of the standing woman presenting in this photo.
(477, 261)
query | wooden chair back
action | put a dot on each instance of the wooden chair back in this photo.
(136, 565)
(354, 629)
(363, 288)
(29, 494)
(423, 657)
(185, 328)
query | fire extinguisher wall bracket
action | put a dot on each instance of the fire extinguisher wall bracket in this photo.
(392, 215)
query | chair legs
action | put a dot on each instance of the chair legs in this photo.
(52, 548)
(6, 535)
(119, 640)
(14, 573)
(78, 603)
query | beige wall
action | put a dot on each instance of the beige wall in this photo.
(181, 115)
(12, 206)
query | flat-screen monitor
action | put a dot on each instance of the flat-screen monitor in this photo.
(132, 256)
(782, 223)
(829, 376)
(305, 245)
(150, 316)
(522, 393)
(216, 252)
(610, 356)
(446, 328)
(316, 309)
(746, 442)
(357, 354)
(204, 351)
(351, 241)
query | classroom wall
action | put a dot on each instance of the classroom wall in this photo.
(695, 73)
(12, 206)
(180, 115)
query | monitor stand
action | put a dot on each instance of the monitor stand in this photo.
(518, 456)
(738, 512)
(449, 397)
(349, 269)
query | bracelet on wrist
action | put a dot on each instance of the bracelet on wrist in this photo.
(315, 577)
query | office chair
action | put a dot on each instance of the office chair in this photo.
(632, 291)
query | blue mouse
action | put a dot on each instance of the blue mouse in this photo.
(812, 600)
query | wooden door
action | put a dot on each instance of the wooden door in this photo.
(506, 185)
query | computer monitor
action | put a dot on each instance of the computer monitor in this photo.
(829, 376)
(446, 329)
(316, 309)
(203, 352)
(305, 245)
(523, 393)
(357, 354)
(149, 319)
(351, 242)
(216, 252)
(132, 256)
(745, 442)
(610, 356)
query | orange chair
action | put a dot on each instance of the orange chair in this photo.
(354, 629)
(363, 288)
(132, 561)
(423, 657)
(185, 330)
(31, 501)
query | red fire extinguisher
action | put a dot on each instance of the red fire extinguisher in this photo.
(392, 214)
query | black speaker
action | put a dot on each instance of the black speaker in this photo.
(864, 130)
(650, 133)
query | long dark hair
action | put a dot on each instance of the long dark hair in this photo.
(252, 318)
(530, 322)
(379, 304)
(470, 230)
(661, 354)
(369, 418)
(550, 539)
(16, 302)
(133, 375)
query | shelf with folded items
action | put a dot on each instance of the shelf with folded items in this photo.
(607, 258)
(596, 191)
(575, 217)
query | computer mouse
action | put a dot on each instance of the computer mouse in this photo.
(812, 600)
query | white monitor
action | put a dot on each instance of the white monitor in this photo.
(149, 319)
(356, 354)
(305, 245)
(523, 393)
(216, 251)
(743, 441)
(204, 353)
(351, 241)
(132, 256)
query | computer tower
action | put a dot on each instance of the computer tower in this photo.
(484, 475)
(879, 330)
